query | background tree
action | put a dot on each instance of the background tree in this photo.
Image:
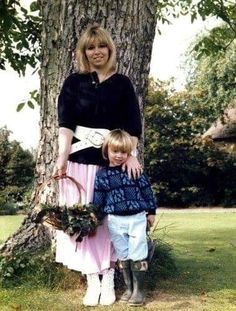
(211, 84)
(184, 168)
(17, 170)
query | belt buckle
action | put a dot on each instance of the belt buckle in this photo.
(95, 138)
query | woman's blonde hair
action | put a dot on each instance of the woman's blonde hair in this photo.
(87, 38)
(118, 140)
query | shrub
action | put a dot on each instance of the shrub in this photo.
(41, 270)
(8, 208)
(35, 270)
(162, 265)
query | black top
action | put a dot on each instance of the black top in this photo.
(110, 104)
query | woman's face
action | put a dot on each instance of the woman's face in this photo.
(97, 54)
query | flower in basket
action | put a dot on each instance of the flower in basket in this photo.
(79, 219)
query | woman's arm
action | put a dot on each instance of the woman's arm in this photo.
(132, 165)
(133, 125)
(64, 144)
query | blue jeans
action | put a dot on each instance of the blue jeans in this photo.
(128, 235)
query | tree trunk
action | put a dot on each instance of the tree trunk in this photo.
(132, 25)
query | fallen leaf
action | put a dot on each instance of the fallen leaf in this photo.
(212, 249)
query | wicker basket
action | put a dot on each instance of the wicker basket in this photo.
(80, 220)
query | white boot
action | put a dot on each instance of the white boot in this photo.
(108, 296)
(93, 292)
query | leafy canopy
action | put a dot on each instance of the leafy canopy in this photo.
(211, 82)
(223, 10)
(19, 35)
(20, 29)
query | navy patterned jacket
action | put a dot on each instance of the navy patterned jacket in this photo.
(116, 194)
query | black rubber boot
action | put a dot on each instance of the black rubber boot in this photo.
(139, 269)
(127, 275)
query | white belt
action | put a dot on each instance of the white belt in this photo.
(88, 137)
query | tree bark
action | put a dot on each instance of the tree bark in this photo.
(132, 25)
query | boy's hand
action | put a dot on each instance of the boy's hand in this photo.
(150, 221)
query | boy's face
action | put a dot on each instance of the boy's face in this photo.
(116, 157)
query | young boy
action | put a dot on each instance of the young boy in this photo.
(129, 204)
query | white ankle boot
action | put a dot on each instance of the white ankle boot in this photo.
(93, 292)
(108, 296)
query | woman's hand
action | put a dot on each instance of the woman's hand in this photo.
(133, 167)
(60, 166)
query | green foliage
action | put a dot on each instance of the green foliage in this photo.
(224, 10)
(217, 41)
(40, 269)
(79, 219)
(184, 168)
(8, 208)
(20, 32)
(16, 170)
(31, 102)
(211, 85)
(163, 264)
(221, 37)
(175, 8)
(32, 269)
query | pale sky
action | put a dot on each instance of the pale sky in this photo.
(167, 55)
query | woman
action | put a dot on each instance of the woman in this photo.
(91, 103)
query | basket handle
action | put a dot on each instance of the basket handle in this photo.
(57, 177)
(78, 185)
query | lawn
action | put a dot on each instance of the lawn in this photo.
(8, 225)
(204, 245)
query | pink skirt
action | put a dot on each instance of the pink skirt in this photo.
(94, 254)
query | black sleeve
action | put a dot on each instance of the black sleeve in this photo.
(132, 116)
(66, 104)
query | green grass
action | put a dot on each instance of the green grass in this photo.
(204, 245)
(8, 225)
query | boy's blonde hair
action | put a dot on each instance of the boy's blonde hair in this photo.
(117, 140)
(95, 32)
